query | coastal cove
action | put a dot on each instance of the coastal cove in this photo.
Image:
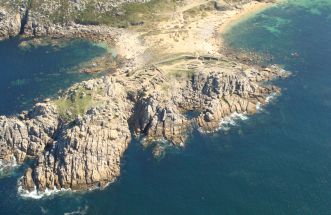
(271, 157)
(39, 71)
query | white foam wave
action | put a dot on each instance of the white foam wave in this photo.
(259, 107)
(270, 98)
(232, 120)
(35, 194)
(80, 211)
(227, 122)
(8, 165)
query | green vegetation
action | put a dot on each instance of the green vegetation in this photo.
(11, 3)
(182, 74)
(128, 14)
(62, 14)
(75, 104)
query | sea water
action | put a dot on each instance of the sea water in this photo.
(33, 72)
(276, 162)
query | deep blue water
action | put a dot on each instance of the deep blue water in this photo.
(276, 162)
(38, 72)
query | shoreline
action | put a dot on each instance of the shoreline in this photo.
(248, 10)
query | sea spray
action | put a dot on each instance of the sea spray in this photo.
(35, 194)
(8, 166)
(270, 98)
(232, 120)
(227, 122)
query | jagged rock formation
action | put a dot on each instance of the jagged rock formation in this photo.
(10, 23)
(84, 156)
(159, 121)
(230, 92)
(215, 92)
(85, 152)
(28, 134)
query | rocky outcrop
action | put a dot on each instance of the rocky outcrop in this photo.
(223, 93)
(160, 121)
(28, 134)
(85, 155)
(85, 152)
(214, 92)
(10, 23)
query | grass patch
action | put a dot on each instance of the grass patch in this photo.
(75, 104)
(182, 74)
(62, 15)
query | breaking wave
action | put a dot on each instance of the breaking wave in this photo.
(35, 194)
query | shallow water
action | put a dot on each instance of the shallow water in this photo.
(276, 162)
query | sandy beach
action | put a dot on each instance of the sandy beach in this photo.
(196, 35)
(248, 10)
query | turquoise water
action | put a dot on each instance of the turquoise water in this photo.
(38, 72)
(276, 162)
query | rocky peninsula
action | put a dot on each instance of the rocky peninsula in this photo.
(173, 63)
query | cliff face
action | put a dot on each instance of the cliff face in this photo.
(85, 155)
(86, 151)
(10, 22)
(213, 92)
(28, 134)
